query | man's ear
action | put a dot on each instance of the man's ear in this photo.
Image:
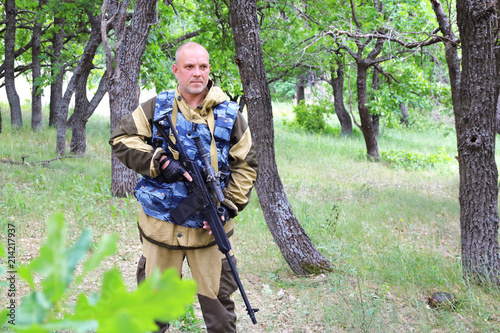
(175, 68)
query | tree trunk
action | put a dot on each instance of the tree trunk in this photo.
(78, 121)
(16, 117)
(364, 114)
(497, 125)
(404, 114)
(80, 73)
(57, 71)
(478, 194)
(83, 110)
(123, 78)
(337, 83)
(300, 94)
(294, 244)
(375, 116)
(36, 72)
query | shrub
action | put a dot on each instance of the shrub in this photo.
(311, 117)
(414, 161)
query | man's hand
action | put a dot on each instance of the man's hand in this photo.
(173, 170)
(206, 226)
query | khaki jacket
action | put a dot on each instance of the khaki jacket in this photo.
(129, 143)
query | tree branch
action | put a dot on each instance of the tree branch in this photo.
(43, 162)
(358, 24)
(105, 41)
(432, 39)
(389, 76)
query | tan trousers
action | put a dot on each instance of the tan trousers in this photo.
(212, 273)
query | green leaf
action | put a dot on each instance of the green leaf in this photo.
(106, 247)
(56, 263)
(34, 308)
(3, 316)
(160, 297)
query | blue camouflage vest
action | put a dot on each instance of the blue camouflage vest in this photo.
(157, 197)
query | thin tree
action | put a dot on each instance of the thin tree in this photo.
(336, 81)
(56, 69)
(36, 71)
(294, 244)
(83, 107)
(451, 43)
(10, 44)
(80, 74)
(82, 112)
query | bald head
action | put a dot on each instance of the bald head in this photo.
(192, 69)
(187, 47)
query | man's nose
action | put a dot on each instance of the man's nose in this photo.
(197, 71)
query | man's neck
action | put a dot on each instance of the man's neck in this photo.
(193, 100)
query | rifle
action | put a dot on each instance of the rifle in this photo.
(205, 193)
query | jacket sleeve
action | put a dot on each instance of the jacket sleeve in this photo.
(129, 141)
(242, 165)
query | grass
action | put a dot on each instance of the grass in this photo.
(392, 233)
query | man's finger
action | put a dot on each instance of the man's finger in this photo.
(188, 176)
(206, 226)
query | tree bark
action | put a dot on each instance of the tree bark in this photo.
(83, 110)
(300, 88)
(57, 71)
(364, 113)
(375, 116)
(294, 244)
(404, 114)
(337, 83)
(10, 44)
(478, 194)
(123, 77)
(36, 72)
(497, 125)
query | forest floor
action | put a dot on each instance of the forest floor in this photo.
(390, 230)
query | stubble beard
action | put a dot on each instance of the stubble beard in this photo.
(194, 91)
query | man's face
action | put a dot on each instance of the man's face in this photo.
(192, 70)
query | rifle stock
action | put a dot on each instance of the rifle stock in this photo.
(207, 192)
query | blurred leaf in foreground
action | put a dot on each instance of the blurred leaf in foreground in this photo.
(161, 297)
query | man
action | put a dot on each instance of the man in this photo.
(198, 108)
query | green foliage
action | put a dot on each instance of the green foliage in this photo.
(413, 161)
(160, 297)
(311, 117)
(188, 323)
(418, 89)
(282, 91)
